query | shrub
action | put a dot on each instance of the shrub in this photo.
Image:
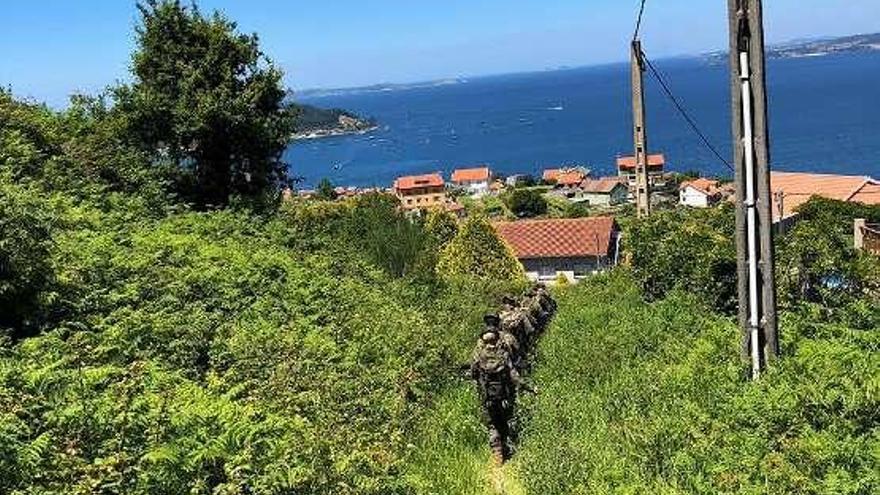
(26, 271)
(686, 249)
(526, 203)
(477, 251)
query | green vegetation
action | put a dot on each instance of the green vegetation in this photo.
(477, 251)
(310, 118)
(526, 203)
(167, 327)
(220, 125)
(651, 398)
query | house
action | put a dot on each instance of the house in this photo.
(475, 181)
(518, 180)
(700, 193)
(792, 189)
(605, 191)
(574, 248)
(421, 192)
(626, 168)
(565, 177)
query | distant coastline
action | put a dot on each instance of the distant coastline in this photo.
(318, 123)
(860, 43)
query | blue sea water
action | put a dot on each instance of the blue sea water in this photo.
(824, 113)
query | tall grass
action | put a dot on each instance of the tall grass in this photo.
(651, 398)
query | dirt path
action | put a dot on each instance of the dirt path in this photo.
(503, 480)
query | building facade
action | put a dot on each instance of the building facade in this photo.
(606, 191)
(626, 168)
(699, 193)
(421, 192)
(475, 181)
(570, 248)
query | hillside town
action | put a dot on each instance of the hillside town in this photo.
(565, 245)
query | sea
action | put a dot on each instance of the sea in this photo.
(824, 115)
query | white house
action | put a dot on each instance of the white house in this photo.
(475, 181)
(574, 248)
(699, 193)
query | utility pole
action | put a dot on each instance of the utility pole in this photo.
(754, 238)
(642, 191)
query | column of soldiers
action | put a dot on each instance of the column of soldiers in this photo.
(502, 358)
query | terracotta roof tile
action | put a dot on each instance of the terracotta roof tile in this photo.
(564, 177)
(629, 162)
(706, 186)
(602, 185)
(471, 175)
(417, 181)
(797, 188)
(559, 238)
(869, 194)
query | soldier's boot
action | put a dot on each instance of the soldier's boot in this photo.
(496, 444)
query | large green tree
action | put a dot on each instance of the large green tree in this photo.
(206, 99)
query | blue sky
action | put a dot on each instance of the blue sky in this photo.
(53, 48)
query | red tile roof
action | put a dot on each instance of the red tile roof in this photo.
(797, 188)
(418, 181)
(629, 162)
(708, 187)
(471, 175)
(564, 177)
(562, 238)
(602, 185)
(868, 194)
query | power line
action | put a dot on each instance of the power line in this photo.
(684, 113)
(639, 21)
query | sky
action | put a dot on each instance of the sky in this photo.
(53, 48)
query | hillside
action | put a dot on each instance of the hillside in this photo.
(313, 122)
(651, 398)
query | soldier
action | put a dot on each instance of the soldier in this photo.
(507, 339)
(517, 322)
(532, 304)
(498, 380)
(546, 299)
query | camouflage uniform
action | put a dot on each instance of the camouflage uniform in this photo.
(519, 323)
(532, 304)
(546, 299)
(498, 379)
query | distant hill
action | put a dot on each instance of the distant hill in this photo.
(313, 122)
(860, 43)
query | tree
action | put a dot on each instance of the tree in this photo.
(206, 99)
(692, 250)
(526, 203)
(477, 251)
(326, 191)
(442, 226)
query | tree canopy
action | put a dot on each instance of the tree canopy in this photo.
(206, 99)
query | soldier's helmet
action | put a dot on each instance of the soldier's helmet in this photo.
(489, 338)
(508, 300)
(492, 320)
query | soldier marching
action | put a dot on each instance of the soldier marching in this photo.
(501, 359)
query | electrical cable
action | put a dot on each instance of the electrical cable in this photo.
(684, 113)
(639, 21)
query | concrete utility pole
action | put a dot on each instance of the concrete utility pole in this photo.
(642, 191)
(754, 238)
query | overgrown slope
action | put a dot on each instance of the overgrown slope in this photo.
(651, 398)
